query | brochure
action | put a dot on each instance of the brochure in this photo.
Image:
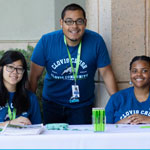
(11, 129)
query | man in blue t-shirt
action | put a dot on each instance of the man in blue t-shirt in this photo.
(71, 57)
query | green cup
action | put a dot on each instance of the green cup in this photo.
(98, 116)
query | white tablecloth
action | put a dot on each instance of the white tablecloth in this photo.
(82, 137)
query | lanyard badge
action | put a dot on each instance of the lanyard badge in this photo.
(75, 88)
(75, 94)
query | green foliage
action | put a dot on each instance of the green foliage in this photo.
(27, 53)
(1, 53)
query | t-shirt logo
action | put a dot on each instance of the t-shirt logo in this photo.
(68, 71)
(61, 70)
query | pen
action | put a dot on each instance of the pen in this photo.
(145, 127)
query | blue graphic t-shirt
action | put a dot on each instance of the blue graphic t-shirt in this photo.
(123, 104)
(33, 114)
(51, 52)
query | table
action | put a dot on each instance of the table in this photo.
(82, 137)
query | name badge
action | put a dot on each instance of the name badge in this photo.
(75, 91)
(75, 94)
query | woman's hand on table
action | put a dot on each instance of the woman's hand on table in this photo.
(135, 119)
(21, 121)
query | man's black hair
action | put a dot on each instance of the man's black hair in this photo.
(72, 6)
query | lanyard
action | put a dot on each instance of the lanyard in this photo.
(12, 115)
(75, 72)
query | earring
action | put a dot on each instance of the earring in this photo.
(130, 82)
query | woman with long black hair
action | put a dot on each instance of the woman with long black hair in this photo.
(17, 104)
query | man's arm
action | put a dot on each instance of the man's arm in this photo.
(109, 79)
(34, 75)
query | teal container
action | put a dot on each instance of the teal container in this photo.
(98, 116)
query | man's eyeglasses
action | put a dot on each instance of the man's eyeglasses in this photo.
(11, 69)
(70, 22)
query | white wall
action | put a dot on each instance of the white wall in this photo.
(23, 22)
(29, 19)
(25, 19)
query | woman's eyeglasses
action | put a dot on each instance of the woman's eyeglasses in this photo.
(10, 68)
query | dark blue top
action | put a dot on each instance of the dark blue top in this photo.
(123, 104)
(33, 114)
(51, 52)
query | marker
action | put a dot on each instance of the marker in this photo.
(145, 127)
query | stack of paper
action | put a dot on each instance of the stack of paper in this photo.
(22, 129)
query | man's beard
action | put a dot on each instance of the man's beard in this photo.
(73, 40)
